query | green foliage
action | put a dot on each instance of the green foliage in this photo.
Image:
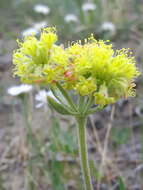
(1, 183)
(58, 107)
(94, 171)
(120, 135)
(121, 184)
(57, 169)
(61, 141)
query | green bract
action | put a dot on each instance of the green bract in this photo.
(90, 69)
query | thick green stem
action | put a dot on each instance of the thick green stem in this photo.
(83, 152)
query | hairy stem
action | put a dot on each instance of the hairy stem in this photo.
(83, 152)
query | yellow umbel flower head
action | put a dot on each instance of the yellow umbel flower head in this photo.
(101, 71)
(90, 69)
(40, 60)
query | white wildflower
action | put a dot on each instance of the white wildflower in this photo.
(41, 97)
(35, 29)
(40, 25)
(17, 90)
(70, 18)
(88, 7)
(29, 31)
(108, 26)
(43, 9)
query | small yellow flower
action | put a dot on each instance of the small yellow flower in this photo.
(40, 60)
(112, 70)
(85, 86)
(102, 96)
(48, 37)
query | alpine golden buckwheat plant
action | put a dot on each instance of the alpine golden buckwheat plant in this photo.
(92, 69)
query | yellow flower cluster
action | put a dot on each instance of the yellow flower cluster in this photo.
(40, 60)
(90, 68)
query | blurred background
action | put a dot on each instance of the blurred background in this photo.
(38, 147)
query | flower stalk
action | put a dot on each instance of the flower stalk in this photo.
(80, 113)
(83, 152)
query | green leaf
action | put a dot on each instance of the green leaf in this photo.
(121, 184)
(57, 171)
(62, 109)
(121, 136)
(67, 97)
(58, 95)
(68, 142)
(94, 171)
